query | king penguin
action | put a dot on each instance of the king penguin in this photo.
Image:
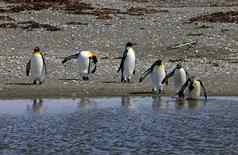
(128, 62)
(180, 77)
(157, 73)
(85, 60)
(194, 86)
(37, 66)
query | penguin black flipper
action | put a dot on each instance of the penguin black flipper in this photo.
(89, 66)
(185, 85)
(122, 61)
(187, 74)
(134, 71)
(44, 63)
(94, 59)
(74, 56)
(168, 76)
(94, 69)
(28, 68)
(204, 89)
(147, 72)
(167, 81)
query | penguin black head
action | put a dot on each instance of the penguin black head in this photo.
(129, 44)
(178, 66)
(36, 49)
(158, 62)
(95, 60)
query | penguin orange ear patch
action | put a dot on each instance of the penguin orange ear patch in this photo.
(93, 53)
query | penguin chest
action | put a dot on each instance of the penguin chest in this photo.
(179, 78)
(83, 61)
(195, 91)
(129, 64)
(157, 75)
(37, 66)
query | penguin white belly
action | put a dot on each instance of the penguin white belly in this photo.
(37, 67)
(157, 76)
(129, 64)
(83, 61)
(179, 79)
(196, 92)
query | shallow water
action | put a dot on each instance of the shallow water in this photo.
(119, 125)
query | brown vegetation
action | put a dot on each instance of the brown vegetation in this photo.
(223, 17)
(29, 25)
(73, 7)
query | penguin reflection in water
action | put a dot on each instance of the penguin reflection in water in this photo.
(37, 105)
(128, 62)
(180, 77)
(194, 89)
(85, 59)
(157, 73)
(36, 66)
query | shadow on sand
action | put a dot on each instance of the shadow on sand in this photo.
(142, 93)
(73, 79)
(111, 82)
(20, 83)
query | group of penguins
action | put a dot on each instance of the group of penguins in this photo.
(36, 67)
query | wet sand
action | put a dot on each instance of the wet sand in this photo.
(213, 59)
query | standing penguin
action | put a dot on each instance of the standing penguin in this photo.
(37, 66)
(157, 73)
(85, 60)
(194, 89)
(180, 77)
(128, 62)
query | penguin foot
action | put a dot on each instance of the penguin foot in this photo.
(123, 80)
(34, 82)
(159, 91)
(85, 78)
(128, 80)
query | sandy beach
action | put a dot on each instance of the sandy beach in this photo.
(105, 28)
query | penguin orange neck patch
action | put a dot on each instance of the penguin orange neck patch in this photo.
(161, 66)
(37, 52)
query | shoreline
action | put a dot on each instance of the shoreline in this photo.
(90, 89)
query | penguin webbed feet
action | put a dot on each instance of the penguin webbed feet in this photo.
(125, 80)
(140, 80)
(35, 82)
(85, 78)
(156, 92)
